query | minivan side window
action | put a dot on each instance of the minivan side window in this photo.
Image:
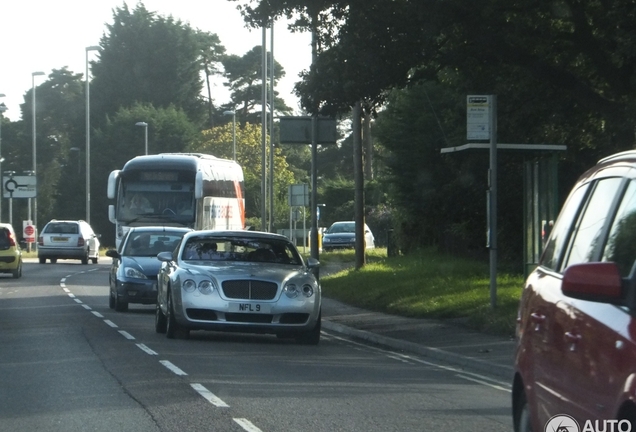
(621, 243)
(590, 226)
(560, 232)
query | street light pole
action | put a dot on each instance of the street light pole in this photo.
(3, 108)
(233, 114)
(34, 217)
(88, 140)
(145, 126)
(10, 175)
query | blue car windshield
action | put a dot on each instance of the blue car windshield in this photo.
(147, 243)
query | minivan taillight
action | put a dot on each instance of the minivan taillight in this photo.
(11, 239)
(40, 241)
(80, 241)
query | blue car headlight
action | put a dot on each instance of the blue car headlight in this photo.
(133, 273)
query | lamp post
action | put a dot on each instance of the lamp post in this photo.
(88, 140)
(145, 126)
(10, 175)
(35, 200)
(233, 114)
(3, 108)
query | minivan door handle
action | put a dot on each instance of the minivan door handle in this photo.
(537, 319)
(573, 339)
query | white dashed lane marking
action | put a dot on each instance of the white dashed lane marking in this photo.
(172, 367)
(209, 396)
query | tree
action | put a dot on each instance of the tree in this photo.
(366, 48)
(60, 120)
(218, 141)
(244, 75)
(151, 59)
(211, 54)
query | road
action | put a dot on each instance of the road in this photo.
(69, 363)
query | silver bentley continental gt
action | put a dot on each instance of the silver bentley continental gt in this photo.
(244, 281)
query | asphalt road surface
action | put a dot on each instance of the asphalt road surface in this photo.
(69, 363)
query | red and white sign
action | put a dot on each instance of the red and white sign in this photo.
(28, 231)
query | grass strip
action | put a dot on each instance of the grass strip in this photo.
(426, 284)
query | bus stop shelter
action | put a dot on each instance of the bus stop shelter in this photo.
(540, 191)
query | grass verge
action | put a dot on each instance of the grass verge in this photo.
(426, 284)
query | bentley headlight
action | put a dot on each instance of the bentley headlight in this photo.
(308, 290)
(133, 273)
(291, 290)
(189, 285)
(206, 287)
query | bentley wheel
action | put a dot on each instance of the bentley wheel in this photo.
(161, 323)
(311, 337)
(173, 329)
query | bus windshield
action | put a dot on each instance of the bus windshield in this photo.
(170, 201)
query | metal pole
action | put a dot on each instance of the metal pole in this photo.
(314, 155)
(32, 143)
(3, 108)
(88, 140)
(493, 202)
(33, 217)
(146, 137)
(234, 134)
(271, 132)
(264, 130)
(88, 147)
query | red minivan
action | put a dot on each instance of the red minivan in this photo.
(576, 331)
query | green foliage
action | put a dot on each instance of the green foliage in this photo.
(244, 75)
(218, 141)
(150, 59)
(456, 289)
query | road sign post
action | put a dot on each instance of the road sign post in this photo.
(28, 231)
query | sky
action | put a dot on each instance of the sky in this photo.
(42, 35)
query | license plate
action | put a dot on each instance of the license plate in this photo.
(59, 239)
(250, 308)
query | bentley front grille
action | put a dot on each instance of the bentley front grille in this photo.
(249, 289)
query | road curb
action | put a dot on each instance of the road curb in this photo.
(474, 364)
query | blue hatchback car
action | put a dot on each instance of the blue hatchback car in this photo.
(133, 272)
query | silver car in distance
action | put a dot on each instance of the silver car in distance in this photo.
(244, 281)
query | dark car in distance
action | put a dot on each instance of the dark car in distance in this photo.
(133, 272)
(342, 235)
(575, 359)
